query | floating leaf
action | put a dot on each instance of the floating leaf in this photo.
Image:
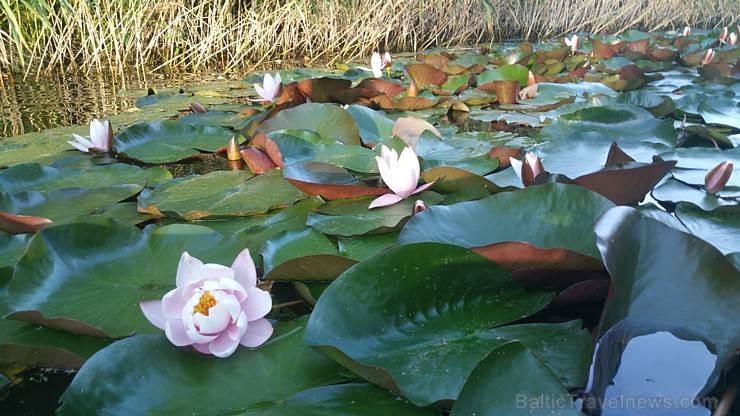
(557, 216)
(407, 326)
(662, 274)
(164, 379)
(327, 120)
(168, 141)
(327, 181)
(219, 194)
(100, 296)
(425, 75)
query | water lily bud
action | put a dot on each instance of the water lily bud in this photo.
(686, 31)
(723, 35)
(232, 150)
(413, 89)
(573, 43)
(386, 61)
(717, 178)
(419, 206)
(732, 39)
(531, 80)
(707, 57)
(197, 107)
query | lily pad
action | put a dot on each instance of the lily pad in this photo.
(557, 216)
(220, 194)
(720, 227)
(328, 120)
(36, 177)
(407, 326)
(662, 274)
(168, 141)
(122, 266)
(163, 379)
(577, 143)
(352, 218)
(511, 380)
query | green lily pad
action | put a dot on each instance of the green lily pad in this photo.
(662, 274)
(694, 163)
(168, 141)
(22, 343)
(672, 192)
(36, 177)
(721, 110)
(514, 72)
(122, 266)
(578, 143)
(406, 325)
(215, 118)
(556, 216)
(354, 399)
(373, 125)
(352, 218)
(65, 203)
(292, 244)
(11, 250)
(360, 248)
(328, 120)
(220, 194)
(720, 227)
(511, 380)
(163, 379)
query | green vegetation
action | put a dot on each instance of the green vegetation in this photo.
(41, 35)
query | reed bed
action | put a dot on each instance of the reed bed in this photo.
(237, 35)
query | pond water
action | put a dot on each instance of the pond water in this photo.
(64, 99)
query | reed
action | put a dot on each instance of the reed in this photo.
(237, 35)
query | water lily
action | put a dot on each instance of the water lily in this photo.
(270, 88)
(722, 37)
(707, 56)
(101, 138)
(717, 178)
(732, 38)
(401, 174)
(214, 308)
(572, 42)
(528, 170)
(377, 64)
(686, 31)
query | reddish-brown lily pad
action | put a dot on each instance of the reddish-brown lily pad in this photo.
(424, 75)
(627, 183)
(514, 255)
(320, 90)
(409, 129)
(328, 181)
(22, 224)
(389, 88)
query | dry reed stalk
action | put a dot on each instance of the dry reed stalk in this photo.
(231, 35)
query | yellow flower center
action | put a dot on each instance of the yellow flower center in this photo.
(206, 302)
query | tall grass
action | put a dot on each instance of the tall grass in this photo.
(234, 35)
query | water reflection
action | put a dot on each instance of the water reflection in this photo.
(64, 99)
(648, 368)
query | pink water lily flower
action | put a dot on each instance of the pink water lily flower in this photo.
(528, 170)
(214, 308)
(270, 88)
(707, 56)
(401, 174)
(101, 138)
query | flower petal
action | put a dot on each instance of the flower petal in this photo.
(223, 346)
(258, 304)
(244, 270)
(516, 164)
(173, 303)
(79, 146)
(376, 65)
(216, 321)
(176, 333)
(385, 200)
(257, 333)
(423, 188)
(153, 312)
(187, 270)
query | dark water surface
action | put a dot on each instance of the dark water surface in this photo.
(34, 104)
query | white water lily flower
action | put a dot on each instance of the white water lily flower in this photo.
(270, 88)
(101, 138)
(400, 174)
(377, 64)
(686, 31)
(572, 42)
